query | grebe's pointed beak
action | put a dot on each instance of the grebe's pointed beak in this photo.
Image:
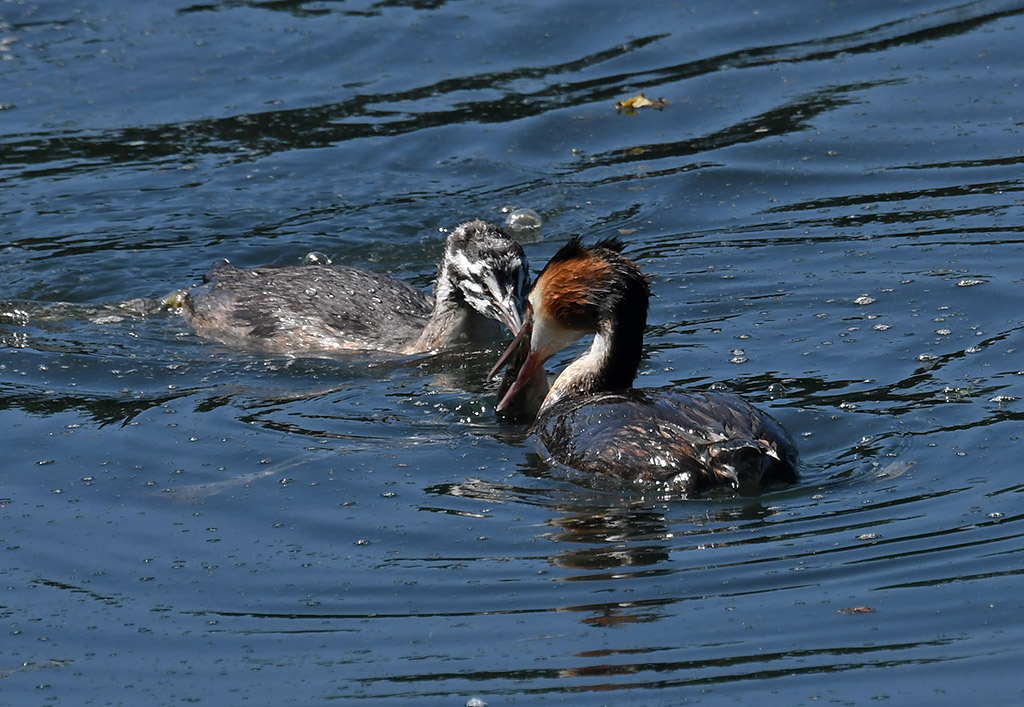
(521, 333)
(507, 311)
(534, 363)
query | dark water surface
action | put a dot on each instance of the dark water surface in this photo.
(830, 208)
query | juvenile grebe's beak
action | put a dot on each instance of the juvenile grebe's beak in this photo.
(506, 308)
(495, 299)
(507, 312)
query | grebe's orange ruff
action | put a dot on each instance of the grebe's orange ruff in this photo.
(593, 420)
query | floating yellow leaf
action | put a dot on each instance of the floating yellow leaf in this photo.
(630, 105)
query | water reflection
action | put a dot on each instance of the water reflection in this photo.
(260, 134)
(626, 537)
(762, 667)
(76, 589)
(314, 8)
(112, 340)
(717, 668)
(321, 126)
(102, 411)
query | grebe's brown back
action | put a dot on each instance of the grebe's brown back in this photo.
(482, 279)
(593, 420)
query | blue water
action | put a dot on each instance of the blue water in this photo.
(830, 208)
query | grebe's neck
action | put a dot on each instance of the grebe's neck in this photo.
(452, 320)
(443, 327)
(610, 364)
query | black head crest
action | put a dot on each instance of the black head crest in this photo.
(573, 249)
(612, 243)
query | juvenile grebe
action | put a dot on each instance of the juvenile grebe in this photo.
(482, 279)
(593, 420)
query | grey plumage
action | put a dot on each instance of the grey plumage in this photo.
(324, 309)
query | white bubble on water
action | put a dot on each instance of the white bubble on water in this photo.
(316, 258)
(522, 222)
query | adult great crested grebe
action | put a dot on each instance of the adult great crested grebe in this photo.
(593, 420)
(319, 309)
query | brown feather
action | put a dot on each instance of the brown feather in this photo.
(566, 287)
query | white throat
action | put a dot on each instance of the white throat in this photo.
(579, 375)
